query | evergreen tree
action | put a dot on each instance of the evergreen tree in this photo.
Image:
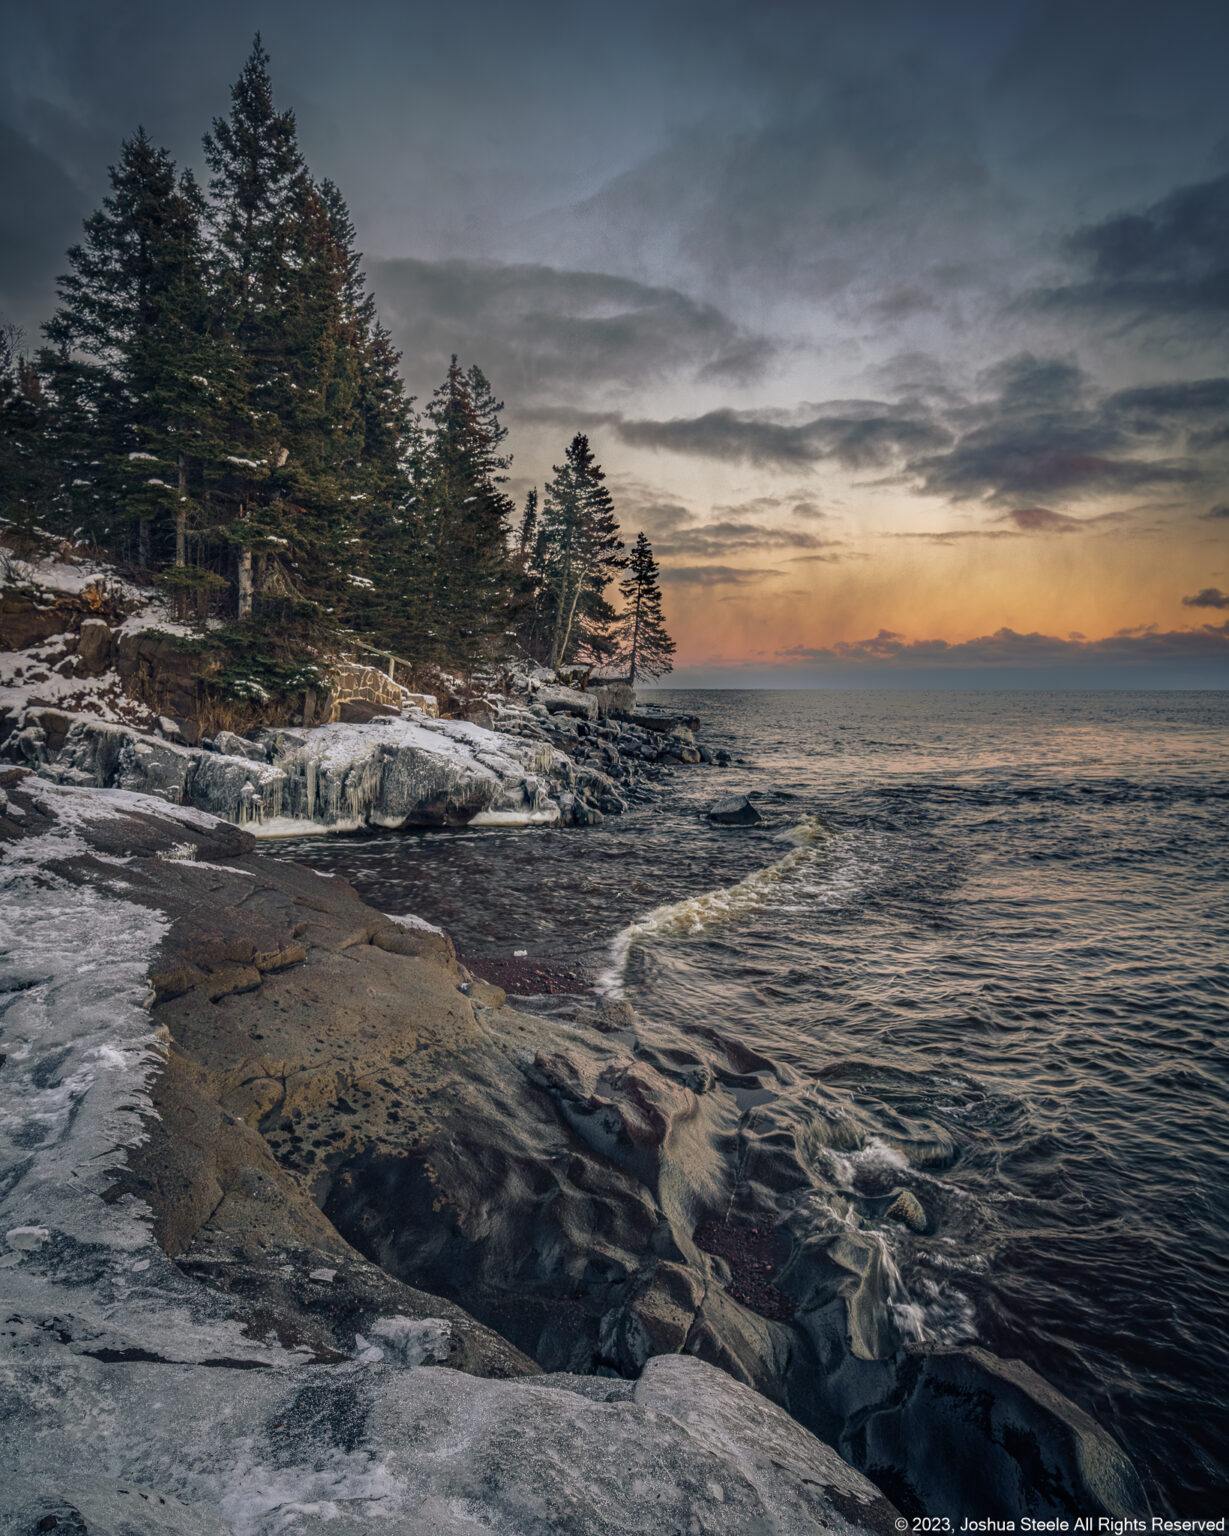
(131, 368)
(526, 539)
(581, 550)
(257, 213)
(28, 481)
(468, 587)
(644, 647)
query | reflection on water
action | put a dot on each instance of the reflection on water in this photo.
(982, 940)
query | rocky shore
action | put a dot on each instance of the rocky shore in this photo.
(99, 689)
(550, 758)
(304, 1226)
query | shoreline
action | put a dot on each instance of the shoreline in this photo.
(458, 1132)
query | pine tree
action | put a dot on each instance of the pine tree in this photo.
(644, 647)
(468, 586)
(527, 534)
(28, 481)
(257, 184)
(581, 551)
(129, 369)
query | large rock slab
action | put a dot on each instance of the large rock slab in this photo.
(353, 1130)
(347, 1449)
(568, 701)
(385, 773)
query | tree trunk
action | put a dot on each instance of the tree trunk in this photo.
(631, 678)
(245, 584)
(181, 516)
(562, 637)
(181, 538)
(143, 551)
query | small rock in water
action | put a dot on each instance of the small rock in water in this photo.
(907, 1209)
(734, 811)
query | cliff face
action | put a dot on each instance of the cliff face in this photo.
(202, 1049)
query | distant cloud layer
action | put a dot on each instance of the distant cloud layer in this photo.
(1210, 597)
(1007, 648)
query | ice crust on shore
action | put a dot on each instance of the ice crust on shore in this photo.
(388, 773)
(144, 1408)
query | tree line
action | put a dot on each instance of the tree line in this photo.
(217, 403)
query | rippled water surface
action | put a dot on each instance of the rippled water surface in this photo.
(995, 921)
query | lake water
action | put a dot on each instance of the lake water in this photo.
(999, 921)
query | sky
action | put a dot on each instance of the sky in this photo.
(901, 327)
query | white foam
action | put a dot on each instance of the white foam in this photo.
(695, 914)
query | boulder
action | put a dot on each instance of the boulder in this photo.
(734, 811)
(95, 647)
(360, 711)
(231, 745)
(569, 701)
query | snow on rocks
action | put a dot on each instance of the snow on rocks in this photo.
(391, 772)
(146, 1407)
(379, 1444)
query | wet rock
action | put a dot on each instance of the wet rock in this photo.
(907, 1209)
(1011, 1444)
(734, 811)
(575, 1190)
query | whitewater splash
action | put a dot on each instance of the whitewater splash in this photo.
(695, 914)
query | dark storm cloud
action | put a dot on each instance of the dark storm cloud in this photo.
(714, 575)
(1210, 597)
(1044, 434)
(1040, 430)
(1009, 648)
(795, 504)
(1170, 258)
(723, 538)
(864, 438)
(944, 536)
(1045, 520)
(1217, 514)
(1195, 411)
(41, 210)
(1021, 522)
(539, 329)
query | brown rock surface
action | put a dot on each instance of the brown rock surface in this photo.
(350, 1126)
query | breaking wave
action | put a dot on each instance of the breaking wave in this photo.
(812, 847)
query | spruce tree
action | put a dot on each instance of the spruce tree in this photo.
(581, 551)
(644, 647)
(131, 370)
(257, 182)
(468, 585)
(28, 481)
